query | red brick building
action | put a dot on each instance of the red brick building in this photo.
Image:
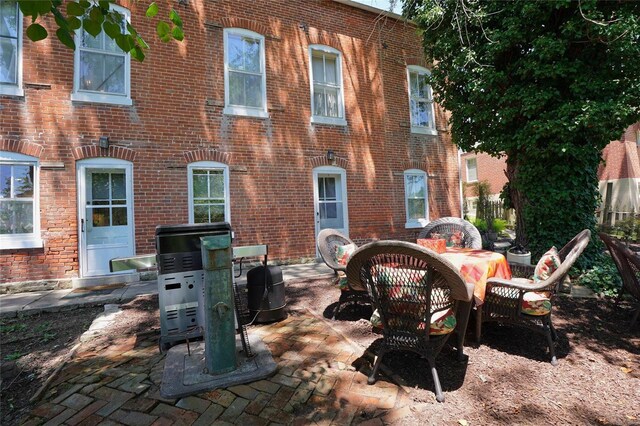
(619, 176)
(279, 117)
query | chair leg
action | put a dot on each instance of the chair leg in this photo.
(554, 335)
(335, 312)
(436, 380)
(372, 377)
(547, 332)
(478, 324)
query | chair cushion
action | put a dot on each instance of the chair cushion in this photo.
(344, 252)
(452, 239)
(341, 281)
(439, 245)
(442, 322)
(536, 303)
(548, 263)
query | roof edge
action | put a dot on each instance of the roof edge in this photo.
(371, 9)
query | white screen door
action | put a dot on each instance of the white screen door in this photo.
(330, 196)
(105, 214)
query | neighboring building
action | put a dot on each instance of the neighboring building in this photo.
(619, 176)
(279, 117)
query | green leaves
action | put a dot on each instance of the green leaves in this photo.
(164, 31)
(168, 32)
(92, 27)
(152, 10)
(175, 18)
(65, 37)
(75, 9)
(36, 32)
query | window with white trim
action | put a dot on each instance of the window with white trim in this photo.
(102, 70)
(208, 192)
(245, 80)
(420, 101)
(19, 206)
(416, 200)
(472, 169)
(10, 49)
(327, 94)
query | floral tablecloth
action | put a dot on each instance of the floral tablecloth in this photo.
(477, 266)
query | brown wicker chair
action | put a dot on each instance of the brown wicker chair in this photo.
(628, 264)
(408, 284)
(447, 225)
(503, 298)
(328, 240)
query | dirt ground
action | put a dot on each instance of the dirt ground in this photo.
(507, 379)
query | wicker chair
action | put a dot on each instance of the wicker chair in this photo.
(504, 298)
(448, 225)
(328, 240)
(408, 285)
(628, 264)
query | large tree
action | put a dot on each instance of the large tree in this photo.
(549, 84)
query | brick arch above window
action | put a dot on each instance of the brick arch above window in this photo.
(22, 147)
(94, 151)
(206, 155)
(421, 62)
(321, 160)
(315, 36)
(415, 164)
(233, 22)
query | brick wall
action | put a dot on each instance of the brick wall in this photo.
(489, 169)
(176, 117)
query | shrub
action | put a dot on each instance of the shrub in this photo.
(603, 277)
(480, 224)
(499, 225)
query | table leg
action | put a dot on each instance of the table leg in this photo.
(478, 323)
(464, 311)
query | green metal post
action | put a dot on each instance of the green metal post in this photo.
(219, 314)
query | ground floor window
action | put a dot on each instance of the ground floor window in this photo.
(416, 201)
(208, 192)
(19, 209)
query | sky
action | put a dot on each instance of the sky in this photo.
(383, 4)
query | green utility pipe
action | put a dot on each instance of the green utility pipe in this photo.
(219, 325)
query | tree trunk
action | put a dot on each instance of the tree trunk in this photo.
(517, 200)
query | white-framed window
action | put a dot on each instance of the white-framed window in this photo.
(327, 93)
(245, 78)
(10, 49)
(420, 101)
(416, 198)
(102, 71)
(638, 137)
(472, 169)
(208, 192)
(19, 204)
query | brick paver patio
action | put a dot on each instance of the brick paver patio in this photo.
(316, 382)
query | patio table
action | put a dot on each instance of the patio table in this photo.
(477, 266)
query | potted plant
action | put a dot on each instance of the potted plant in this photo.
(519, 254)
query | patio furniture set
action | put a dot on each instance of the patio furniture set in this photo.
(424, 292)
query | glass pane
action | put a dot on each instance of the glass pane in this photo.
(92, 42)
(16, 217)
(217, 213)
(416, 209)
(423, 87)
(413, 83)
(236, 88)
(332, 102)
(5, 181)
(102, 73)
(216, 184)
(99, 186)
(331, 211)
(421, 114)
(251, 55)
(100, 217)
(8, 60)
(320, 188)
(118, 188)
(319, 105)
(23, 181)
(235, 54)
(200, 186)
(8, 19)
(331, 69)
(253, 90)
(317, 68)
(201, 214)
(119, 216)
(415, 186)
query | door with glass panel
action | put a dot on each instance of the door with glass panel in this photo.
(105, 214)
(330, 194)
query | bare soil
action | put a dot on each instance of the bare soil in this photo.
(507, 379)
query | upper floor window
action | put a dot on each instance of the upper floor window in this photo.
(10, 49)
(416, 201)
(244, 73)
(472, 169)
(327, 95)
(208, 192)
(19, 209)
(420, 101)
(102, 69)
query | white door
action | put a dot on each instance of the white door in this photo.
(105, 213)
(330, 199)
